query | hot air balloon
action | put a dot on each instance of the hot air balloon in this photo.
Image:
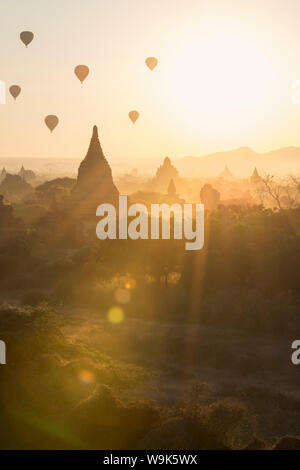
(51, 121)
(81, 72)
(133, 115)
(26, 37)
(15, 90)
(151, 62)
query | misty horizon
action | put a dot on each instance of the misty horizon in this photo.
(289, 161)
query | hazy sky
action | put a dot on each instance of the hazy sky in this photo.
(223, 79)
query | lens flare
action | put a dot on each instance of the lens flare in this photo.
(130, 283)
(115, 315)
(86, 376)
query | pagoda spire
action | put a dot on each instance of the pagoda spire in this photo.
(94, 181)
(95, 131)
(255, 178)
(94, 151)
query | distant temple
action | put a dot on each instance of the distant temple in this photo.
(27, 175)
(164, 174)
(94, 183)
(148, 198)
(172, 189)
(172, 196)
(15, 188)
(255, 178)
(226, 174)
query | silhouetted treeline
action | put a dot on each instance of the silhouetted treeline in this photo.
(247, 275)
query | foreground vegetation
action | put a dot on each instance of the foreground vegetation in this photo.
(199, 356)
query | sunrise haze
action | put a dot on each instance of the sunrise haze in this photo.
(223, 79)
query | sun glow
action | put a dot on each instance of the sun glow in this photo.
(221, 82)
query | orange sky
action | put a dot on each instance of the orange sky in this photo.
(223, 79)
